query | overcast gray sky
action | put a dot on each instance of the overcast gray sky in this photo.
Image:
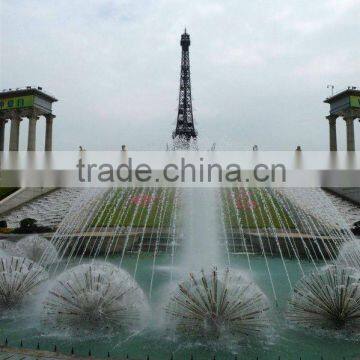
(259, 68)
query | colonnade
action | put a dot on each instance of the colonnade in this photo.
(350, 134)
(15, 120)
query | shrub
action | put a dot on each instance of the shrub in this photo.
(28, 223)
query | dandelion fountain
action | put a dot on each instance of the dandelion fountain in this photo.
(18, 278)
(94, 296)
(218, 304)
(216, 264)
(37, 249)
(328, 299)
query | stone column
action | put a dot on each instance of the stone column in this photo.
(332, 132)
(48, 131)
(14, 133)
(350, 136)
(32, 133)
(2, 133)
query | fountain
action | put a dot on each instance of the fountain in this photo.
(8, 247)
(327, 299)
(92, 297)
(201, 248)
(18, 278)
(37, 249)
(218, 304)
(110, 239)
(107, 241)
(349, 254)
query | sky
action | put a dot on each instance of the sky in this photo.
(259, 69)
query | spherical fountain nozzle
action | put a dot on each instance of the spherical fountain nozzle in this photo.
(218, 303)
(38, 249)
(18, 277)
(327, 299)
(94, 296)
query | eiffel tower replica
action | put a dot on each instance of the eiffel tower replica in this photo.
(185, 130)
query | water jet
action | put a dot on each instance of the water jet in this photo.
(217, 304)
(18, 277)
(94, 296)
(327, 299)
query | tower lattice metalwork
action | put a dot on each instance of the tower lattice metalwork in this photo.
(185, 129)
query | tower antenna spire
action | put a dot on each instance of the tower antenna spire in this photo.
(185, 129)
